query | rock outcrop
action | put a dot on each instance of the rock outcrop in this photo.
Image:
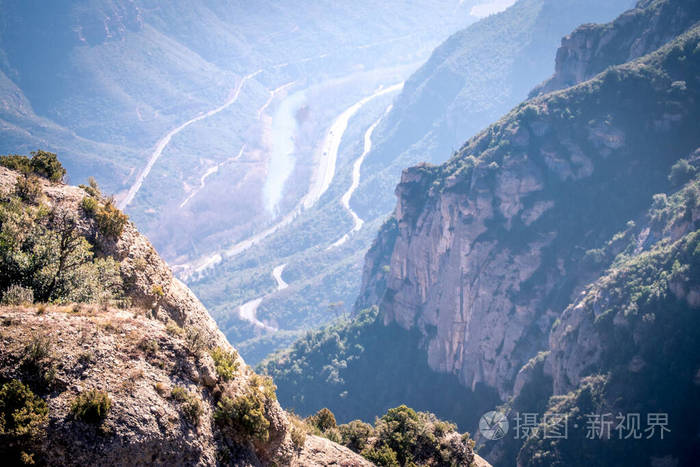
(491, 246)
(157, 356)
(592, 48)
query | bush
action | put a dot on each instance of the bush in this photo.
(16, 162)
(195, 342)
(23, 418)
(264, 385)
(157, 291)
(91, 406)
(93, 189)
(110, 220)
(149, 347)
(243, 415)
(90, 206)
(324, 420)
(681, 172)
(299, 430)
(190, 406)
(28, 189)
(226, 363)
(356, 434)
(382, 456)
(17, 295)
(38, 363)
(47, 165)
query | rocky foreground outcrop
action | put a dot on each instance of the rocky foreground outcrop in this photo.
(145, 379)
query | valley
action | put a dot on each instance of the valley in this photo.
(329, 233)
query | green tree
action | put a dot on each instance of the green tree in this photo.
(47, 165)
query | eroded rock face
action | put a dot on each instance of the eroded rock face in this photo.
(593, 47)
(490, 247)
(160, 340)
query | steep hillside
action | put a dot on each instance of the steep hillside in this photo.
(530, 263)
(503, 228)
(105, 357)
(593, 47)
(627, 344)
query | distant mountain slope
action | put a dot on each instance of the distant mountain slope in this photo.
(503, 227)
(104, 81)
(471, 80)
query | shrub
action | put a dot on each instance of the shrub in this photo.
(47, 165)
(28, 189)
(16, 162)
(38, 363)
(157, 291)
(226, 363)
(355, 435)
(89, 205)
(299, 430)
(264, 385)
(195, 341)
(17, 295)
(91, 406)
(324, 420)
(244, 415)
(149, 347)
(681, 172)
(110, 220)
(173, 329)
(190, 406)
(23, 418)
(382, 456)
(93, 189)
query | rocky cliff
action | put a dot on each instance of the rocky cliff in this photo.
(593, 47)
(137, 372)
(491, 246)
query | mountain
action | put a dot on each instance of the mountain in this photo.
(136, 371)
(106, 357)
(472, 78)
(531, 264)
(106, 82)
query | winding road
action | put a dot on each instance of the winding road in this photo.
(277, 274)
(321, 181)
(345, 200)
(248, 311)
(210, 171)
(165, 140)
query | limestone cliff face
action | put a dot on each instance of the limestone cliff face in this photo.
(160, 339)
(491, 246)
(593, 47)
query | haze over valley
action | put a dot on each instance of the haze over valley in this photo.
(273, 233)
